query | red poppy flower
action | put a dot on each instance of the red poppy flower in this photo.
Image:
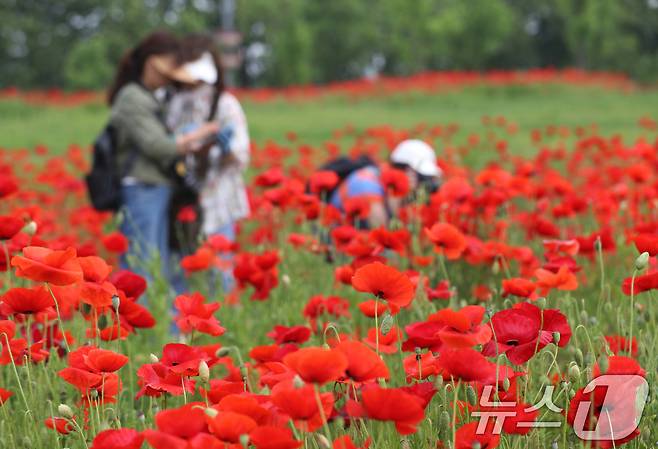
(462, 328)
(293, 334)
(104, 361)
(133, 285)
(618, 344)
(182, 359)
(96, 290)
(26, 301)
(118, 439)
(270, 437)
(524, 329)
(641, 284)
(394, 240)
(345, 442)
(46, 265)
(564, 279)
(156, 379)
(388, 343)
(395, 181)
(421, 367)
(470, 366)
(10, 226)
(195, 314)
(646, 242)
(317, 365)
(115, 242)
(300, 404)
(230, 426)
(447, 239)
(385, 283)
(521, 287)
(201, 260)
(323, 181)
(467, 437)
(363, 364)
(60, 425)
(389, 404)
(4, 396)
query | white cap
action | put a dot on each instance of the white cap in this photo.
(418, 155)
(203, 69)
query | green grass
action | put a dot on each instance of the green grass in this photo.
(615, 112)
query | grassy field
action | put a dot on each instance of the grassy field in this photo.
(513, 248)
(530, 107)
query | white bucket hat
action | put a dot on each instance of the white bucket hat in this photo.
(418, 155)
(202, 69)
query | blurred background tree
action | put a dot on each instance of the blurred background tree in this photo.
(76, 43)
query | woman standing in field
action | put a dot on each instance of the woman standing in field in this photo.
(222, 193)
(145, 148)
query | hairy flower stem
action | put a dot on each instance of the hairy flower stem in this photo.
(59, 319)
(632, 313)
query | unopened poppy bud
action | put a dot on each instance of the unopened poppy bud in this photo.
(204, 371)
(65, 411)
(554, 445)
(574, 371)
(244, 440)
(506, 384)
(285, 279)
(222, 352)
(556, 337)
(603, 364)
(210, 412)
(642, 261)
(297, 382)
(323, 442)
(495, 268)
(476, 445)
(541, 302)
(387, 324)
(154, 358)
(471, 395)
(405, 444)
(243, 371)
(578, 355)
(30, 228)
(116, 301)
(444, 420)
(597, 244)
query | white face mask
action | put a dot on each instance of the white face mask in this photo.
(203, 69)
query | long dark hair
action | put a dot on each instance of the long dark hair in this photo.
(132, 63)
(193, 46)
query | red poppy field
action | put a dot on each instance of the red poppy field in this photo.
(513, 308)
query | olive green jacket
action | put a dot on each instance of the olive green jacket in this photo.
(135, 117)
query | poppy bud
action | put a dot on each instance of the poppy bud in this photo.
(603, 364)
(418, 354)
(495, 268)
(387, 324)
(444, 420)
(554, 445)
(210, 412)
(589, 359)
(116, 302)
(244, 440)
(556, 337)
(578, 354)
(541, 302)
(642, 261)
(65, 411)
(154, 358)
(222, 352)
(405, 444)
(30, 228)
(506, 384)
(285, 279)
(476, 445)
(204, 371)
(323, 442)
(597, 244)
(297, 382)
(471, 395)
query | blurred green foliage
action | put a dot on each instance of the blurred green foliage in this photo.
(75, 43)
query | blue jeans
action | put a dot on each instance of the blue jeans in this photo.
(146, 225)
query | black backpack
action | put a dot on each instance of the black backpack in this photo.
(343, 166)
(104, 179)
